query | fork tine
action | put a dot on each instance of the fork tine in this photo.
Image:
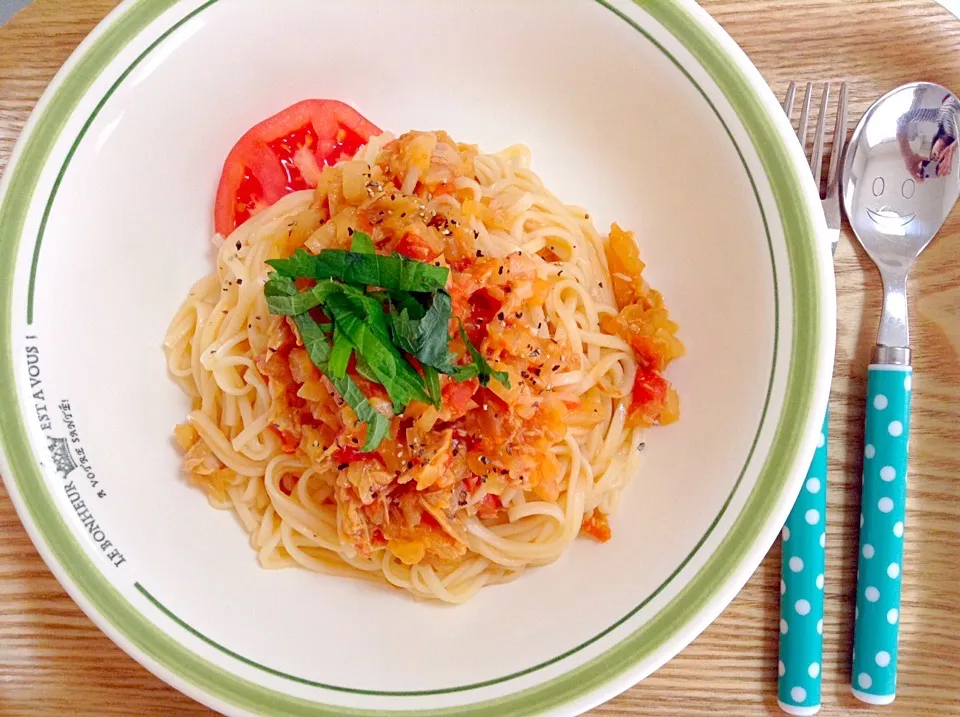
(804, 117)
(816, 156)
(839, 140)
(788, 100)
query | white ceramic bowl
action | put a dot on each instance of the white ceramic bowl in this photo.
(650, 116)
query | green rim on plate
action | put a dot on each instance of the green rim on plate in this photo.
(116, 614)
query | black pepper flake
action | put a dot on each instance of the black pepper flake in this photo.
(476, 234)
(501, 316)
(519, 314)
(409, 465)
(500, 271)
(479, 253)
(349, 231)
(354, 441)
(641, 447)
(601, 284)
(239, 281)
(343, 466)
(484, 460)
(403, 214)
(249, 326)
(374, 495)
(239, 245)
(507, 290)
(556, 366)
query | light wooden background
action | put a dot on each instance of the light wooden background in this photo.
(53, 661)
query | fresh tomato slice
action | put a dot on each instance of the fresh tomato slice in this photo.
(286, 153)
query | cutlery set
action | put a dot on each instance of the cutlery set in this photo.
(898, 180)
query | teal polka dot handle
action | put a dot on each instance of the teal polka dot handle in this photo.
(882, 509)
(801, 591)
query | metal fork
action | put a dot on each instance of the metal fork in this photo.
(804, 537)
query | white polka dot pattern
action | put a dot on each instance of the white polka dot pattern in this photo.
(801, 588)
(876, 627)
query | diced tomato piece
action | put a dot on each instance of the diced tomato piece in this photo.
(649, 395)
(285, 153)
(369, 388)
(351, 454)
(596, 526)
(648, 352)
(490, 401)
(348, 454)
(456, 396)
(483, 307)
(413, 247)
(288, 441)
(489, 507)
(649, 387)
(288, 482)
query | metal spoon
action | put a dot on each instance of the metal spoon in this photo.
(900, 181)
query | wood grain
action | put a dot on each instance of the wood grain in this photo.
(54, 661)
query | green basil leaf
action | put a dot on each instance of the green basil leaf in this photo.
(402, 382)
(388, 272)
(340, 354)
(426, 338)
(465, 373)
(378, 425)
(364, 370)
(319, 351)
(297, 265)
(362, 243)
(431, 377)
(282, 303)
(369, 308)
(405, 301)
(484, 371)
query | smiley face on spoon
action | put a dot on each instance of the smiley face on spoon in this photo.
(891, 208)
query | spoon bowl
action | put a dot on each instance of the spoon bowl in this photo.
(900, 176)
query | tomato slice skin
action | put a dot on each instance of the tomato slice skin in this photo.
(263, 166)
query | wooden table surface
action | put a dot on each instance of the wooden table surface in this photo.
(53, 661)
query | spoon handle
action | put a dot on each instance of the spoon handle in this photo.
(801, 590)
(882, 510)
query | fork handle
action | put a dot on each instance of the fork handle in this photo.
(882, 510)
(801, 590)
